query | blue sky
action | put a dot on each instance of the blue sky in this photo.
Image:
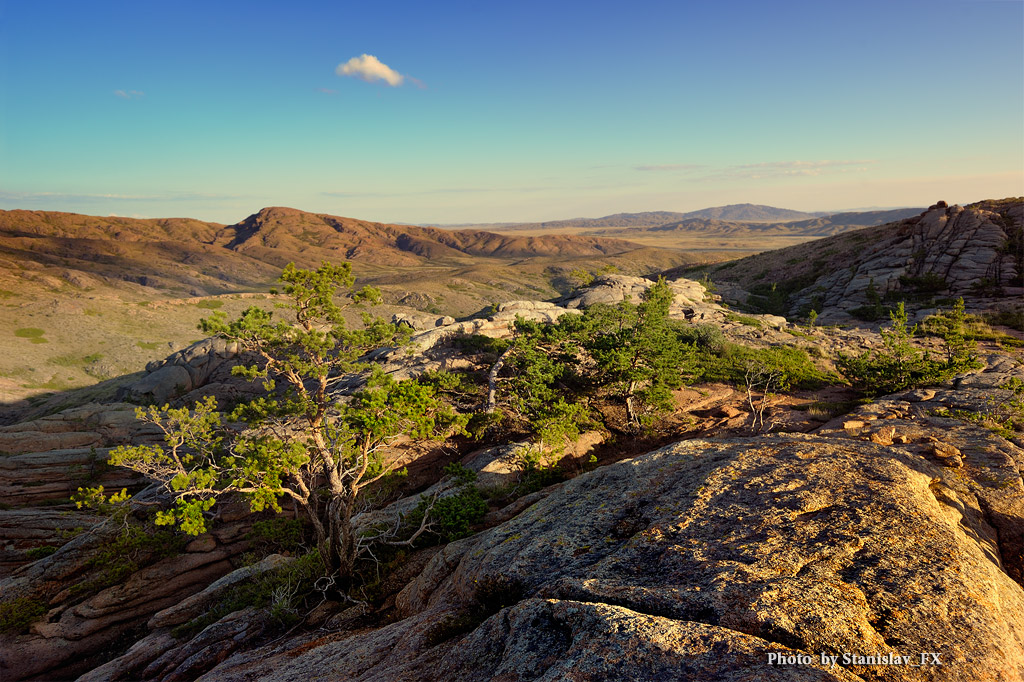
(481, 112)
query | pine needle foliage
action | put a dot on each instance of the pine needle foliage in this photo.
(299, 440)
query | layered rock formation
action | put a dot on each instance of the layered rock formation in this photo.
(974, 252)
(701, 559)
(893, 530)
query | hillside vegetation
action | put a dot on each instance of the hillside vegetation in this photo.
(567, 466)
(104, 296)
(629, 469)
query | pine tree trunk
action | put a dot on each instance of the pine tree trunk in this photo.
(630, 411)
(336, 540)
(492, 383)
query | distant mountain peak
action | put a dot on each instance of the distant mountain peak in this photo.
(750, 213)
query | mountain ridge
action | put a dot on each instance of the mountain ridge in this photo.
(739, 216)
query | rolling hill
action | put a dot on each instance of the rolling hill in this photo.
(86, 298)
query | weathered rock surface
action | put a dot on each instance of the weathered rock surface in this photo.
(197, 604)
(53, 457)
(209, 647)
(181, 372)
(819, 544)
(551, 640)
(421, 321)
(891, 530)
(63, 644)
(954, 247)
(25, 529)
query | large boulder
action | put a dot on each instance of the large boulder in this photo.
(181, 372)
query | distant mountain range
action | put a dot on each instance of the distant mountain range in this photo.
(730, 219)
(196, 257)
(202, 257)
(811, 227)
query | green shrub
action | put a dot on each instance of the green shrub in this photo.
(478, 343)
(898, 365)
(829, 409)
(580, 278)
(1012, 318)
(1003, 416)
(17, 614)
(928, 283)
(209, 305)
(451, 516)
(874, 310)
(869, 313)
(707, 337)
(136, 545)
(743, 319)
(481, 423)
(37, 553)
(731, 364)
(630, 353)
(769, 299)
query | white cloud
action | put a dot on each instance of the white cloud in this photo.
(129, 94)
(370, 69)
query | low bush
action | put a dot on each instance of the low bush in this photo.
(707, 337)
(37, 553)
(926, 284)
(898, 365)
(1008, 317)
(136, 545)
(794, 364)
(1003, 415)
(276, 535)
(17, 614)
(451, 516)
(743, 319)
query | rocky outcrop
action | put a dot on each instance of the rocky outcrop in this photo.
(55, 455)
(421, 321)
(429, 350)
(180, 373)
(895, 530)
(707, 552)
(197, 604)
(688, 303)
(948, 251)
(960, 247)
(82, 622)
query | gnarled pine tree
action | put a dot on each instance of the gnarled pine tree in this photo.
(302, 441)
